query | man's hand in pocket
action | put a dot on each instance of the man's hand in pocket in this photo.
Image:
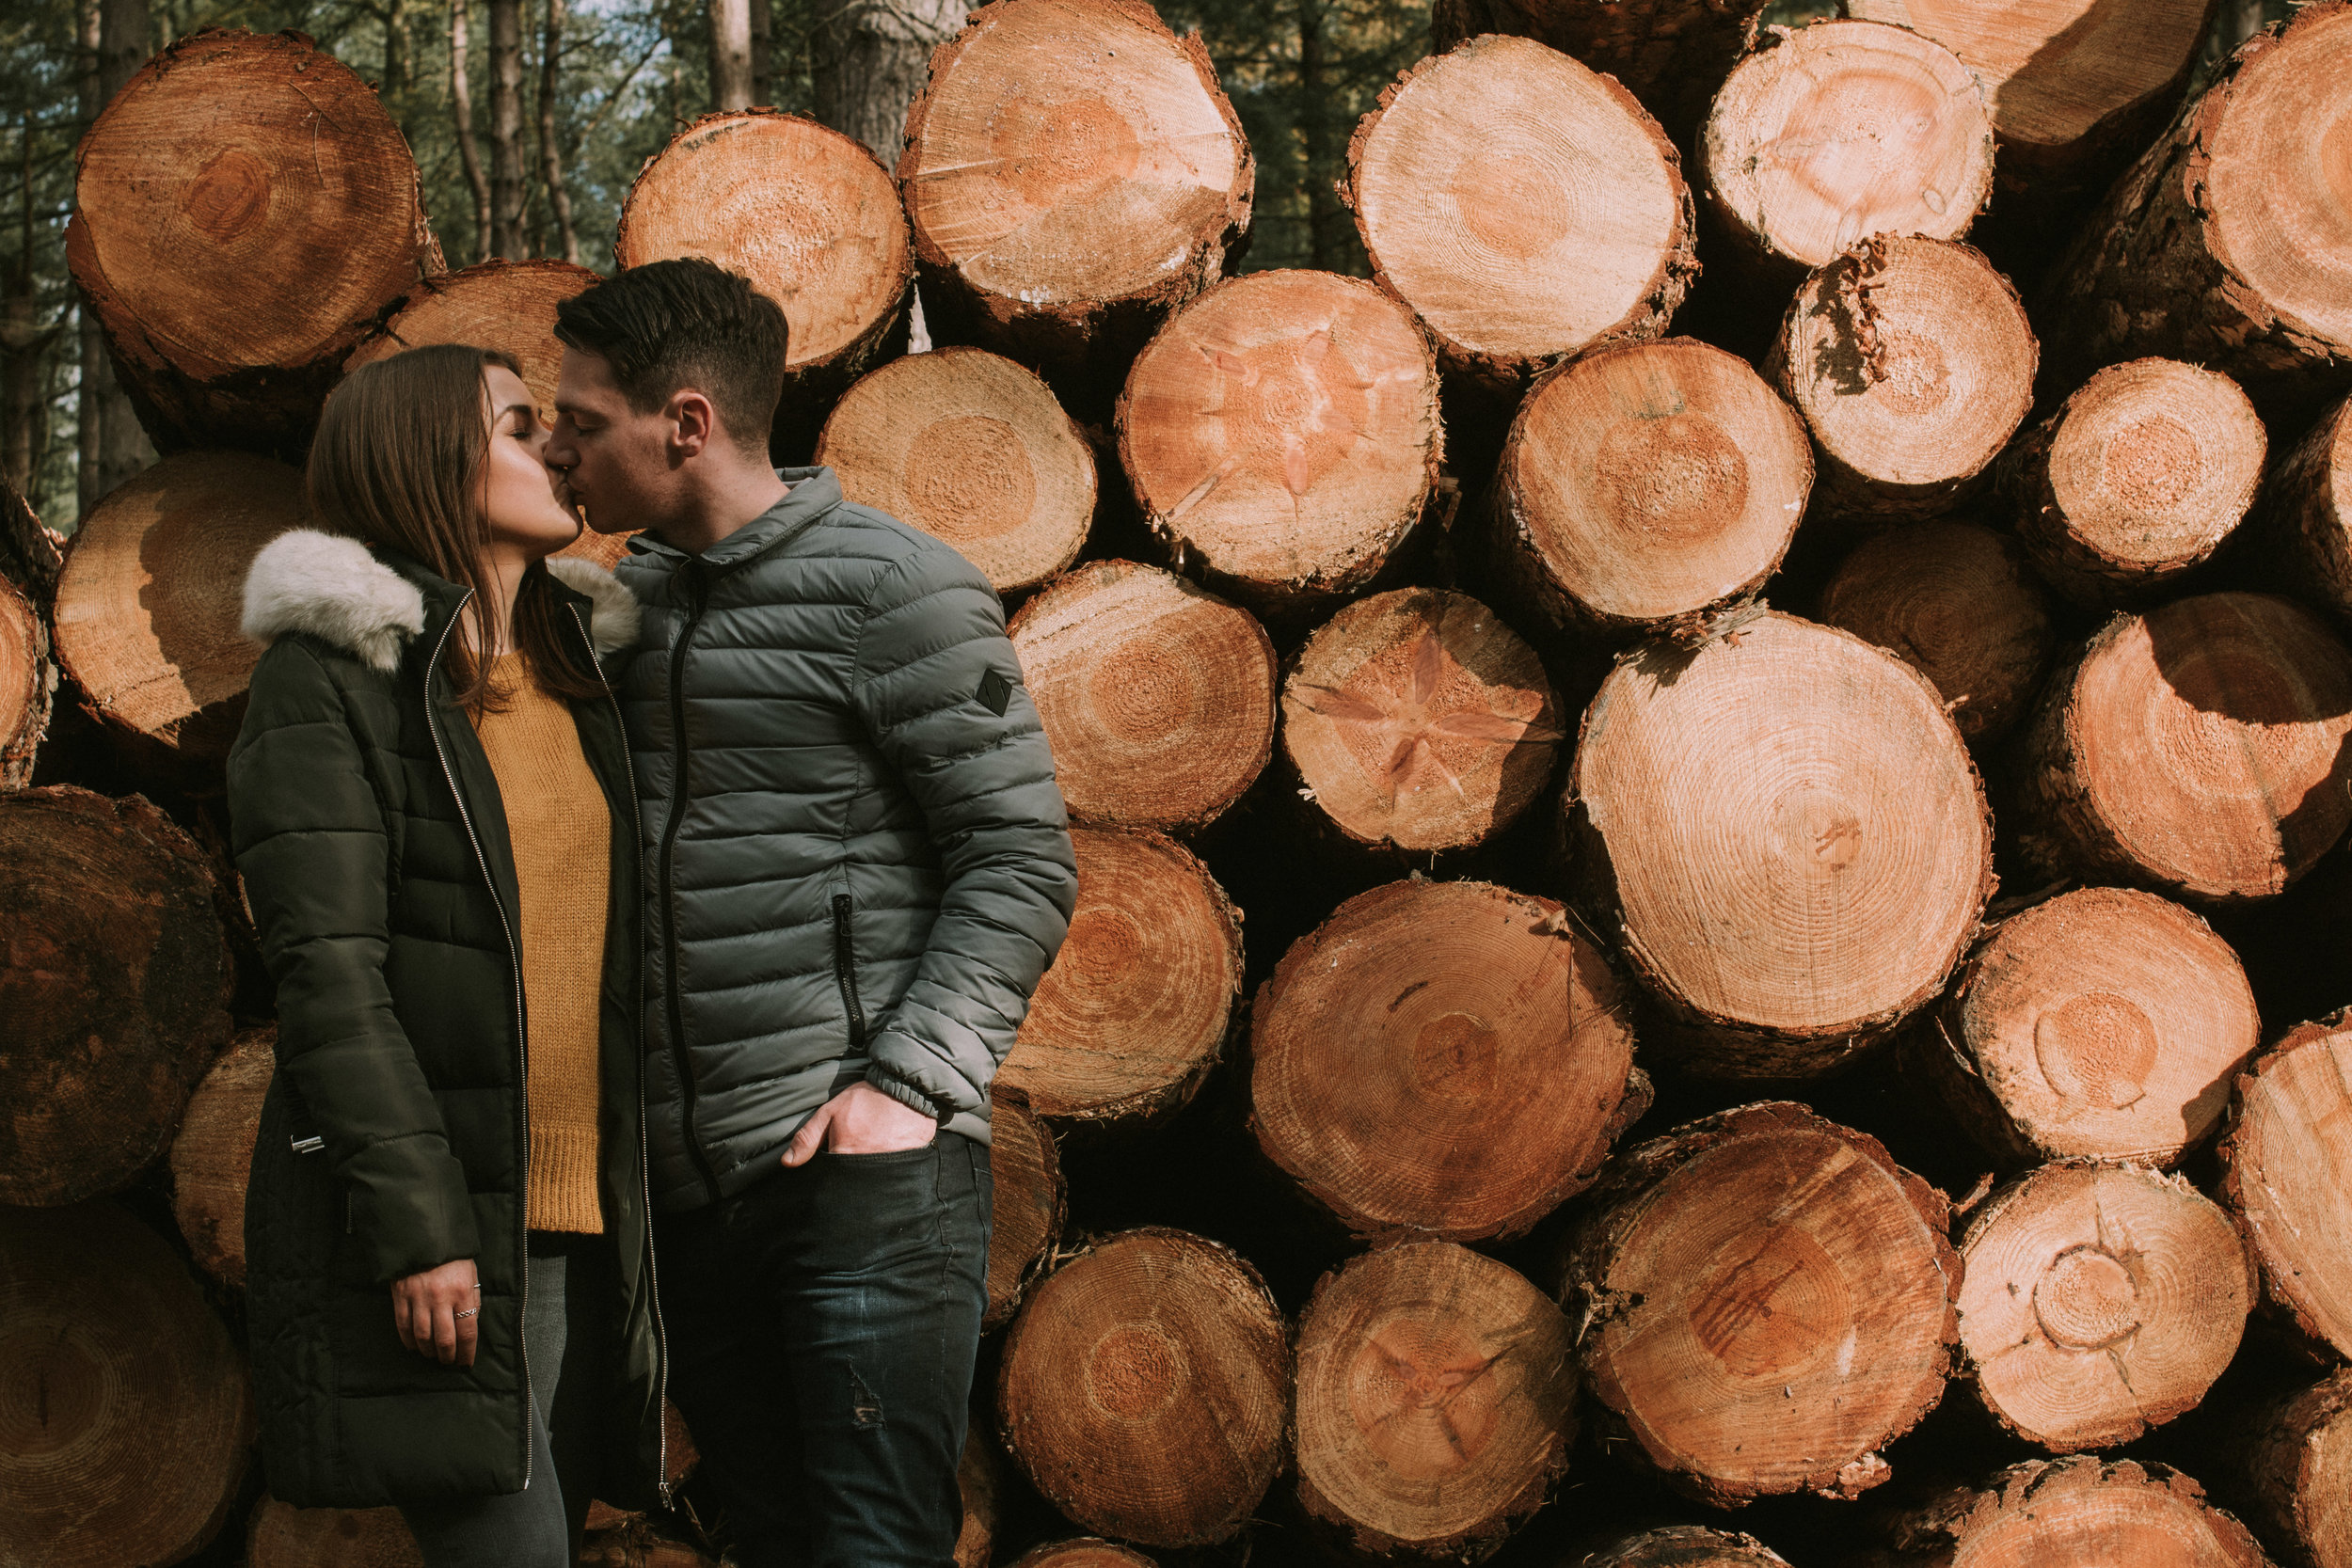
(861, 1120)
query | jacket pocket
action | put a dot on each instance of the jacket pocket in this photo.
(845, 971)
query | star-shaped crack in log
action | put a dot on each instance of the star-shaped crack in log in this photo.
(1409, 723)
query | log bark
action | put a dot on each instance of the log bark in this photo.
(1436, 1403)
(1523, 205)
(212, 1154)
(2059, 1513)
(128, 1411)
(1784, 830)
(1645, 485)
(1157, 696)
(2097, 1303)
(1030, 1201)
(2305, 525)
(1393, 1050)
(115, 988)
(2139, 477)
(1764, 1301)
(2197, 750)
(1824, 136)
(1418, 724)
(1673, 55)
(2106, 1023)
(1957, 603)
(31, 554)
(1913, 364)
(28, 679)
(2225, 243)
(153, 589)
(1062, 229)
(244, 213)
(1281, 431)
(1682, 1546)
(1134, 1012)
(635, 1544)
(280, 1535)
(969, 447)
(2295, 1475)
(2287, 1176)
(1146, 1389)
(1084, 1552)
(977, 1483)
(810, 217)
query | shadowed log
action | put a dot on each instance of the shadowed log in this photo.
(212, 1154)
(2287, 1176)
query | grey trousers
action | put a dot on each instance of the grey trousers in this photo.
(566, 1312)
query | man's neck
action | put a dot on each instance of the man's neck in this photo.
(723, 502)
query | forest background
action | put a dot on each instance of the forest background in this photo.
(530, 118)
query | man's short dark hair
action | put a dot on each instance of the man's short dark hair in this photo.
(685, 323)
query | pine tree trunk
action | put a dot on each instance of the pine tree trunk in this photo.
(2287, 1176)
(1156, 696)
(1765, 1303)
(1146, 1389)
(730, 55)
(1030, 1199)
(1523, 206)
(148, 609)
(212, 1154)
(1135, 1010)
(1281, 432)
(2075, 1511)
(128, 1409)
(1645, 485)
(461, 115)
(506, 129)
(1957, 603)
(2306, 511)
(280, 1535)
(1786, 831)
(115, 35)
(2197, 750)
(2102, 1024)
(868, 61)
(2224, 246)
(1437, 1402)
(551, 153)
(2098, 1302)
(1395, 1055)
(2296, 1474)
(969, 447)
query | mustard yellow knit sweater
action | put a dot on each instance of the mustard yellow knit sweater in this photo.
(560, 830)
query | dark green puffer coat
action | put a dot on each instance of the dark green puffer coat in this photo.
(858, 862)
(373, 850)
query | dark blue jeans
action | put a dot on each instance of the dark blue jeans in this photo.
(822, 1326)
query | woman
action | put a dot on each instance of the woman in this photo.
(450, 1269)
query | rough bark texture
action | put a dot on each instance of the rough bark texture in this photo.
(1146, 1389)
(116, 37)
(506, 129)
(2045, 1513)
(128, 1410)
(2295, 1474)
(31, 554)
(115, 988)
(1031, 1200)
(2197, 750)
(230, 294)
(2304, 526)
(212, 1154)
(1764, 1301)
(868, 61)
(2216, 247)
(2287, 1176)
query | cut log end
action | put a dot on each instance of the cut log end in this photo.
(1768, 1301)
(280, 1535)
(1648, 482)
(27, 682)
(212, 1155)
(1132, 1014)
(1799, 154)
(1392, 1050)
(2308, 514)
(1282, 428)
(2058, 1514)
(1682, 1546)
(1029, 1202)
(1523, 204)
(977, 1483)
(2199, 749)
(1437, 1402)
(1957, 603)
(2106, 1023)
(1417, 720)
(2097, 1303)
(2287, 1176)
(1146, 1388)
(1159, 698)
(1084, 1552)
(1800, 798)
(2295, 1472)
(971, 448)
(508, 306)
(149, 605)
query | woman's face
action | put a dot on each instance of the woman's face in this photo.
(519, 489)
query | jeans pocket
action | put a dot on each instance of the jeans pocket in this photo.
(885, 1159)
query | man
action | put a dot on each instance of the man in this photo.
(857, 869)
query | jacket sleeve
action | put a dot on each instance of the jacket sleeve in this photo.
(310, 843)
(938, 688)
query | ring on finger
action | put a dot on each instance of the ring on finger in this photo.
(469, 1311)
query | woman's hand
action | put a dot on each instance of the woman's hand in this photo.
(861, 1120)
(435, 1313)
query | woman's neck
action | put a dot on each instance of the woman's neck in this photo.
(500, 574)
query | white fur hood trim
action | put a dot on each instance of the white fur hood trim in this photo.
(329, 587)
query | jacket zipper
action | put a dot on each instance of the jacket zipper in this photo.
(523, 1050)
(682, 754)
(644, 1157)
(845, 970)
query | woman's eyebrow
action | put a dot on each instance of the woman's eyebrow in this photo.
(527, 410)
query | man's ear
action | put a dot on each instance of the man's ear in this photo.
(693, 423)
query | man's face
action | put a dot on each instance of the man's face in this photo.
(619, 464)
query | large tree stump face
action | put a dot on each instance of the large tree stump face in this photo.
(1028, 1208)
(508, 306)
(26, 681)
(2288, 1177)
(2070, 1512)
(212, 1154)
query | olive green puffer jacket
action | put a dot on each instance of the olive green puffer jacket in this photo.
(373, 850)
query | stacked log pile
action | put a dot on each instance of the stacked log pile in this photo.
(1791, 855)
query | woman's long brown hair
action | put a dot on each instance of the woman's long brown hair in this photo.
(399, 462)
